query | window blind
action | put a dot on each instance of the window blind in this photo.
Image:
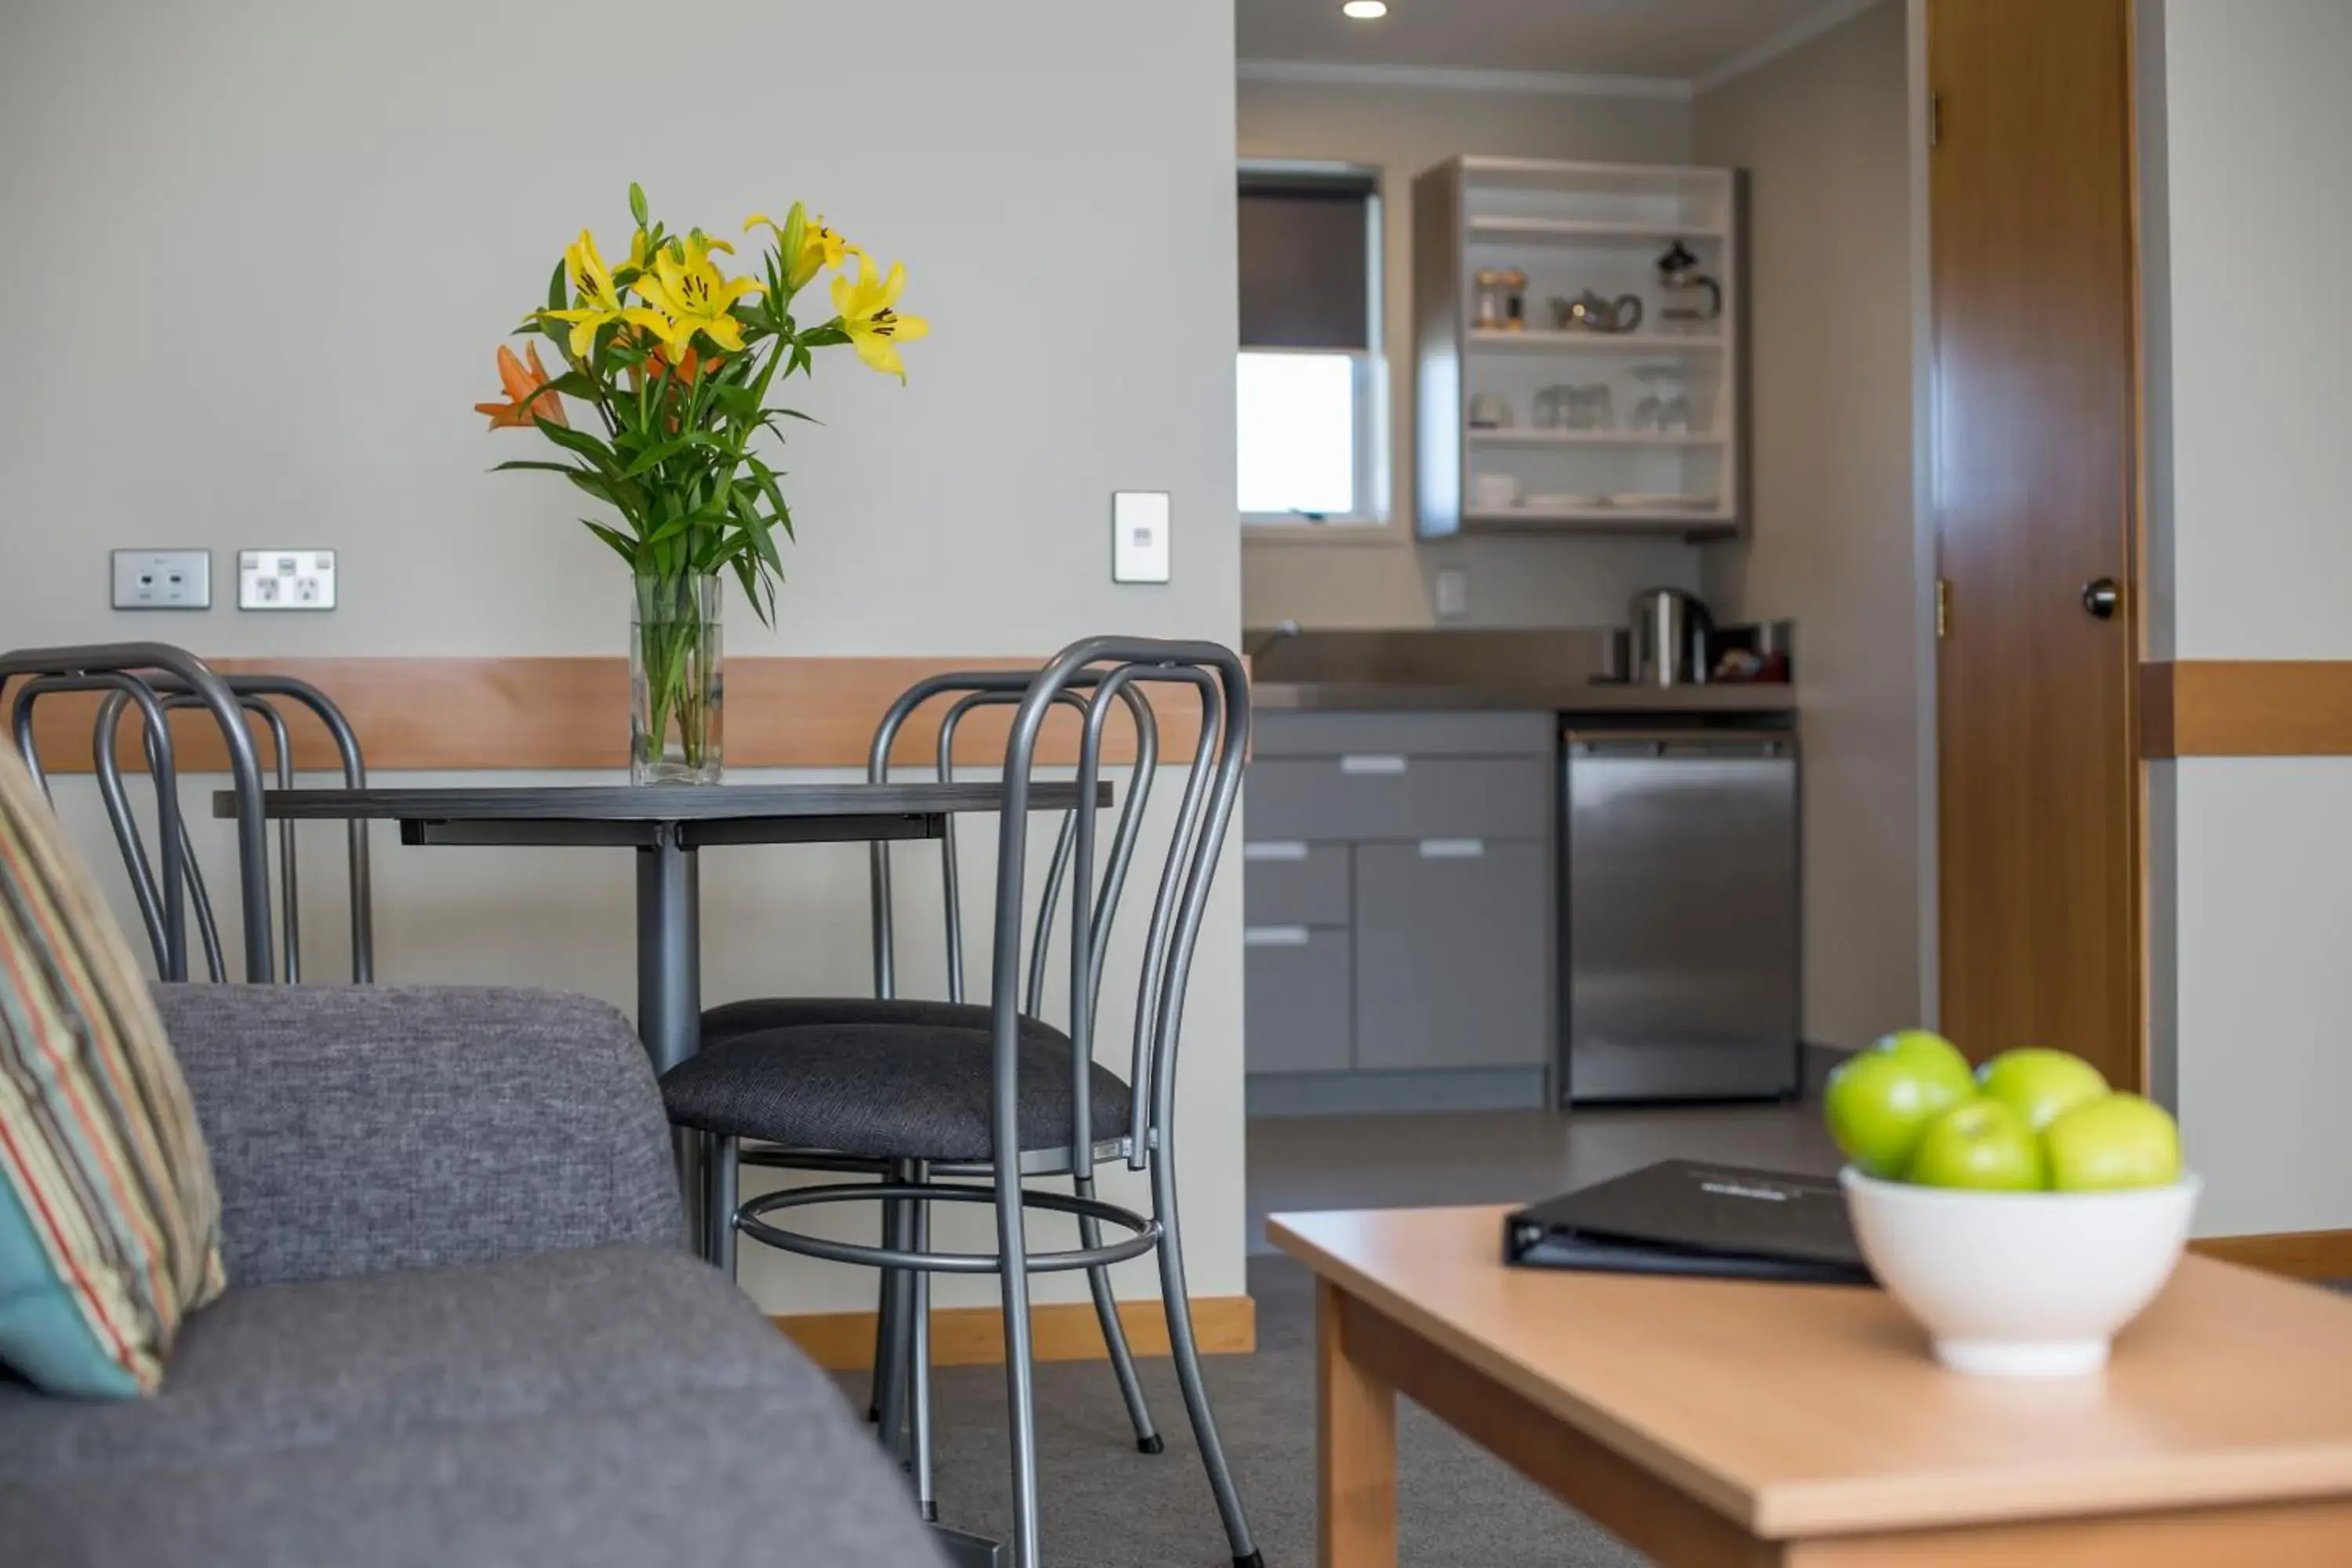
(1306, 261)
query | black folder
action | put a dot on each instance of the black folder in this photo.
(1691, 1217)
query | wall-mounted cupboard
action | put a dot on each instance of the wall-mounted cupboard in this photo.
(1578, 351)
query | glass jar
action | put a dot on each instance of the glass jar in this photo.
(1500, 304)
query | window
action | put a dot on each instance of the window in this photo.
(1312, 403)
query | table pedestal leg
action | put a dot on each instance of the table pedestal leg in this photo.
(669, 984)
(1355, 1448)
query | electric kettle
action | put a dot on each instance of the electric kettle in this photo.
(1670, 637)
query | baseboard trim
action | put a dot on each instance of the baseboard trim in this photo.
(2297, 1253)
(1060, 1331)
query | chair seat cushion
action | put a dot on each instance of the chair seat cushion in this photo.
(916, 1091)
(733, 1020)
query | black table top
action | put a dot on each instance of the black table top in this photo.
(690, 815)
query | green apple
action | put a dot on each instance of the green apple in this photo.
(2121, 1141)
(1986, 1145)
(1880, 1100)
(2042, 1085)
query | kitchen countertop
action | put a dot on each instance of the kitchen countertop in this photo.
(1562, 697)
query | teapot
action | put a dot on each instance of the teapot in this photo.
(1589, 312)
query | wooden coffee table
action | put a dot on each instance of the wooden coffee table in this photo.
(1712, 1422)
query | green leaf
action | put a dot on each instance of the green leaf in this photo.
(622, 546)
(638, 203)
(521, 463)
(582, 443)
(556, 299)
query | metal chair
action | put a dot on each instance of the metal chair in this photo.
(156, 680)
(957, 1103)
(899, 1296)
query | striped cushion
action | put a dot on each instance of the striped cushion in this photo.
(110, 1223)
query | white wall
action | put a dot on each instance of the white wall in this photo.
(2244, 202)
(1386, 580)
(283, 240)
(1825, 133)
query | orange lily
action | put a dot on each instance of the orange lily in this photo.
(528, 398)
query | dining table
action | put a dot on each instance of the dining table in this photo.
(668, 825)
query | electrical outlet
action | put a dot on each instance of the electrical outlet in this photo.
(1139, 536)
(286, 580)
(162, 579)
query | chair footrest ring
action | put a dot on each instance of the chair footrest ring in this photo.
(749, 1221)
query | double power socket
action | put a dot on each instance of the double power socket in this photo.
(182, 580)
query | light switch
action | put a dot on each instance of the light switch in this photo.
(1453, 593)
(286, 580)
(162, 579)
(1139, 536)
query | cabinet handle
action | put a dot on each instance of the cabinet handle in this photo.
(1453, 848)
(1274, 849)
(1273, 936)
(1362, 765)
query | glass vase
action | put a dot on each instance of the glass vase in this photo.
(676, 696)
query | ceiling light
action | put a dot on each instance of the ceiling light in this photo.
(1364, 10)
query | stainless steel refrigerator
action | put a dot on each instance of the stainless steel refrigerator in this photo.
(1679, 916)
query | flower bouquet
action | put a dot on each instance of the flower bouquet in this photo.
(674, 361)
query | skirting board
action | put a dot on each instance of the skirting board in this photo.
(2298, 1253)
(1060, 1331)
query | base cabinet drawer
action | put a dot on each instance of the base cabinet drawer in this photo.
(1450, 954)
(1295, 999)
(1293, 881)
(1376, 795)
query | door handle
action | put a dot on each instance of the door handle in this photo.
(1276, 936)
(2102, 597)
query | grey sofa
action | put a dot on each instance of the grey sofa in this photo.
(462, 1326)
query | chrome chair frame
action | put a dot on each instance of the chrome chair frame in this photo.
(156, 680)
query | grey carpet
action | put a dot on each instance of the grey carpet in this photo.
(1107, 1506)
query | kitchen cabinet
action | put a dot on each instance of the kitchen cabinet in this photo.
(1451, 958)
(1397, 899)
(1659, 452)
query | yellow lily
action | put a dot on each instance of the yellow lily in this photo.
(598, 297)
(692, 296)
(866, 302)
(820, 245)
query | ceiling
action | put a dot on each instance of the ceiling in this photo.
(1679, 39)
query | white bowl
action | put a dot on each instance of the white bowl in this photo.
(2020, 1284)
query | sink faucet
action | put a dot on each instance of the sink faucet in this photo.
(1282, 630)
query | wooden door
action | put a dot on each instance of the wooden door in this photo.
(2035, 456)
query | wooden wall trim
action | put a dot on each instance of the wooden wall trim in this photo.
(1062, 1331)
(2246, 708)
(463, 715)
(2297, 1253)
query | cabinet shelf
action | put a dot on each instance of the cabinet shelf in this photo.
(1659, 345)
(1490, 230)
(1645, 520)
(1479, 437)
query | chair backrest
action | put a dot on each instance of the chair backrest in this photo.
(154, 680)
(1102, 667)
(970, 690)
